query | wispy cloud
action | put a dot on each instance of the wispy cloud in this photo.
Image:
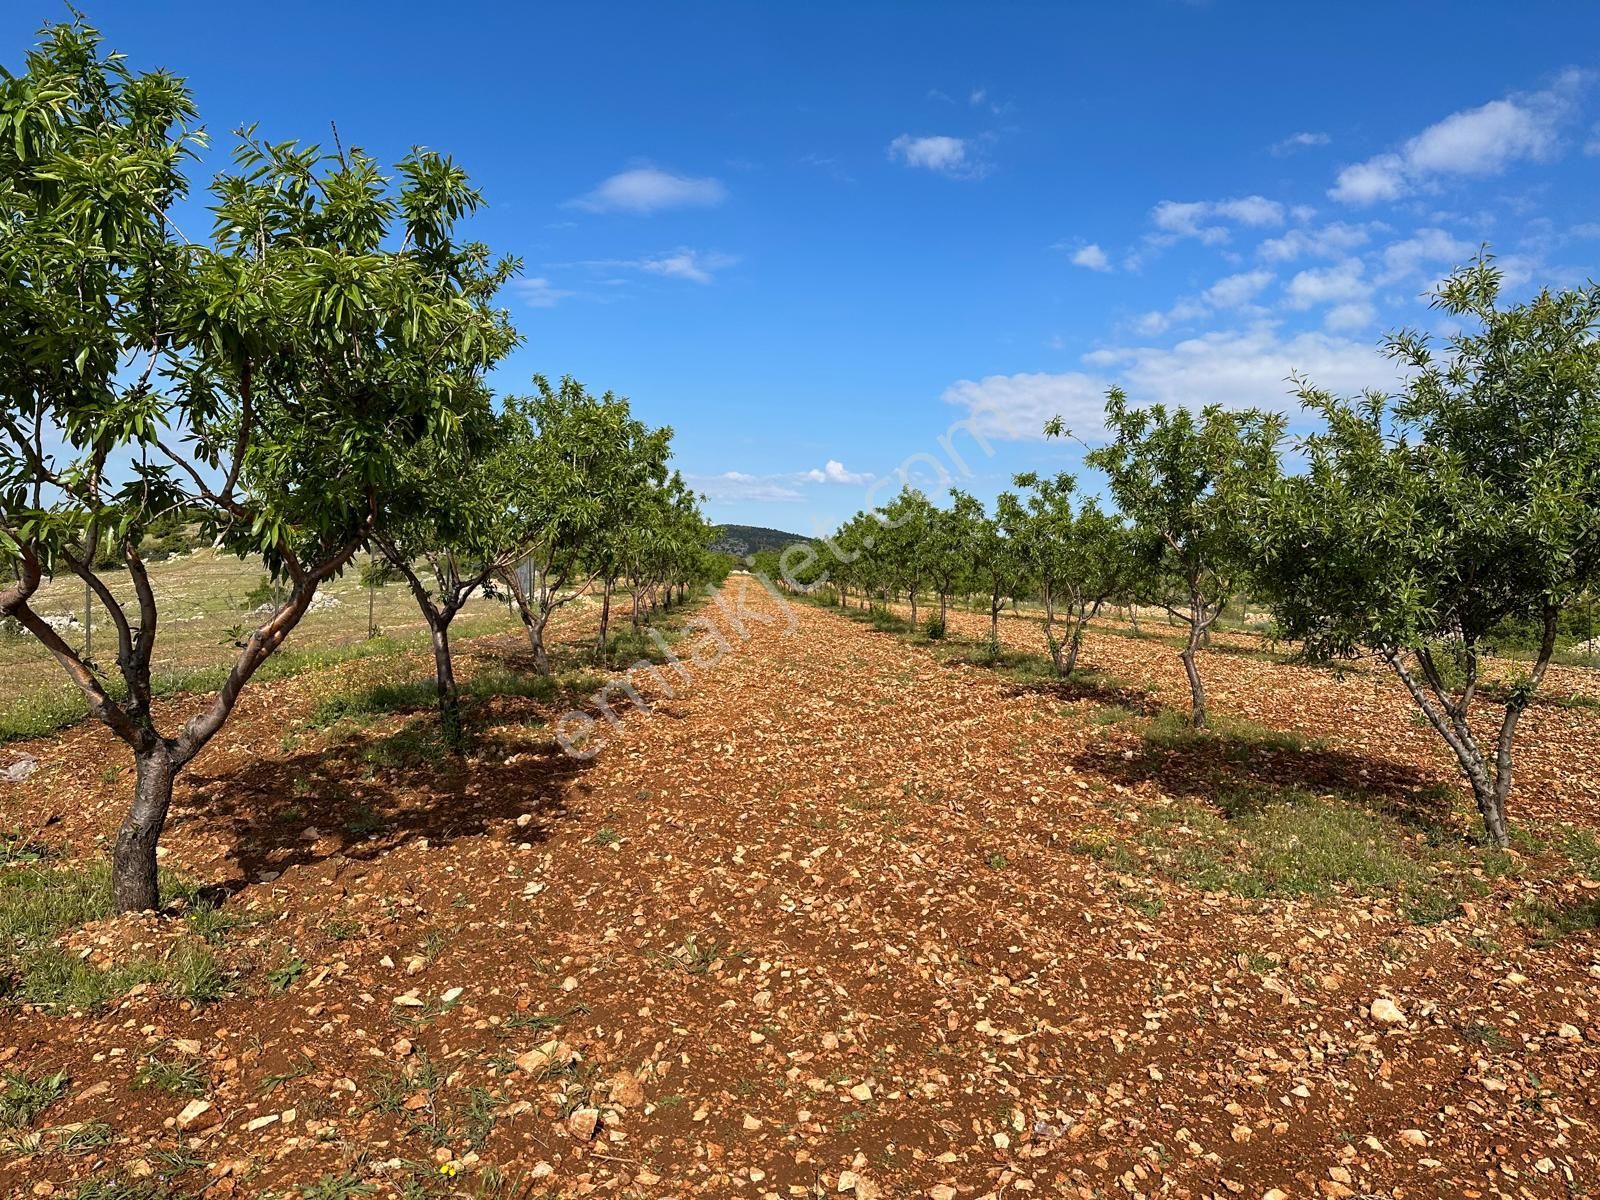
(686, 264)
(1300, 141)
(540, 292)
(952, 156)
(785, 487)
(696, 266)
(1473, 142)
(650, 189)
(1207, 220)
(738, 485)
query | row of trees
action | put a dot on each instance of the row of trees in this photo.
(309, 380)
(1416, 529)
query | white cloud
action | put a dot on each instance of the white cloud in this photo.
(1342, 283)
(1343, 318)
(1237, 369)
(1425, 248)
(1229, 292)
(1017, 406)
(1093, 257)
(738, 485)
(833, 471)
(684, 264)
(1199, 218)
(1300, 141)
(647, 189)
(1333, 240)
(951, 156)
(1248, 368)
(1232, 291)
(1475, 141)
(540, 292)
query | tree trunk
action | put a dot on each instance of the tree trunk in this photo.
(995, 604)
(913, 608)
(605, 622)
(1197, 691)
(445, 674)
(133, 858)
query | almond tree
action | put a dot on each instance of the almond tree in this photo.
(261, 383)
(1187, 484)
(1081, 560)
(998, 559)
(443, 531)
(903, 545)
(951, 536)
(1427, 520)
(561, 451)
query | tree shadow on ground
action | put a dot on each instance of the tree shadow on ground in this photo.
(366, 788)
(1242, 769)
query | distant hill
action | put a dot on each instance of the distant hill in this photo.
(740, 540)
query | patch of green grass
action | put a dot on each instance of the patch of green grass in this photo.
(1549, 922)
(1488, 1037)
(1260, 843)
(26, 1096)
(996, 861)
(607, 837)
(366, 822)
(421, 744)
(42, 713)
(1583, 849)
(213, 922)
(84, 1138)
(372, 701)
(179, 1076)
(336, 1187)
(17, 847)
(40, 903)
(114, 1187)
(1242, 738)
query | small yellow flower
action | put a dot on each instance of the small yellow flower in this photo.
(449, 1168)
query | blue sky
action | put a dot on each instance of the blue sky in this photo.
(813, 237)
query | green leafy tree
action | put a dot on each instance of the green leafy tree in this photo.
(262, 383)
(903, 544)
(998, 561)
(1080, 558)
(444, 532)
(1189, 485)
(560, 451)
(952, 535)
(1425, 521)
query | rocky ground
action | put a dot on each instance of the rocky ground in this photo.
(842, 915)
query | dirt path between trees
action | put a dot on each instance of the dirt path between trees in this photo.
(834, 918)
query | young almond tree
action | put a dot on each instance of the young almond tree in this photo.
(950, 556)
(261, 383)
(561, 447)
(1425, 521)
(1081, 560)
(444, 531)
(904, 526)
(1188, 485)
(998, 557)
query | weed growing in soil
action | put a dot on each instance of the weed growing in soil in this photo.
(26, 1096)
(179, 1076)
